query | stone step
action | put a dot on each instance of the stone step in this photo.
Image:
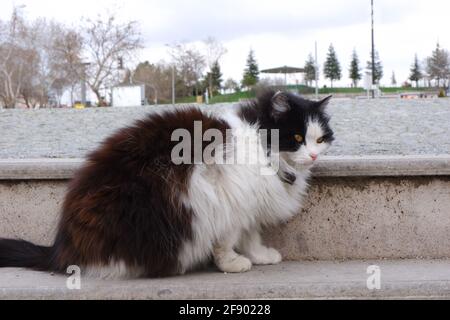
(397, 279)
(357, 207)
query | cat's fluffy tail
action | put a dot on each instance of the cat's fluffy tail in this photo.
(23, 254)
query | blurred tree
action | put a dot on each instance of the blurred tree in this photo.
(393, 79)
(355, 70)
(438, 66)
(416, 71)
(68, 50)
(215, 50)
(215, 79)
(15, 55)
(332, 67)
(155, 77)
(100, 44)
(379, 73)
(310, 70)
(251, 72)
(231, 85)
(41, 59)
(191, 64)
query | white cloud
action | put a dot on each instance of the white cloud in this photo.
(282, 32)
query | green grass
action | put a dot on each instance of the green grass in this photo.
(341, 90)
(236, 97)
(186, 100)
(398, 90)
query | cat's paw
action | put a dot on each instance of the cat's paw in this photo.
(238, 264)
(266, 256)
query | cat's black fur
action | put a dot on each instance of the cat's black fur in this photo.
(290, 119)
(285, 118)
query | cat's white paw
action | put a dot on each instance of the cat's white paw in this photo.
(266, 256)
(238, 264)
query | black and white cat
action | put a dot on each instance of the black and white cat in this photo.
(130, 211)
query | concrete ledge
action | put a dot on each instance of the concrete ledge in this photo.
(383, 166)
(343, 218)
(357, 208)
(369, 218)
(38, 169)
(410, 279)
(364, 166)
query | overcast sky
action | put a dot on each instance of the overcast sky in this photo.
(282, 32)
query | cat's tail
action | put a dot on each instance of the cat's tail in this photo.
(23, 254)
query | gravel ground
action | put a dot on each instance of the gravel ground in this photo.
(362, 127)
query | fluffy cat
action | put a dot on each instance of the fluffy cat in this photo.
(130, 211)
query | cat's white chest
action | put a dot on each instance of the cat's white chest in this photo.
(244, 194)
(225, 197)
(264, 199)
(228, 199)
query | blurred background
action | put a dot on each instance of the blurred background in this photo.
(112, 52)
(73, 72)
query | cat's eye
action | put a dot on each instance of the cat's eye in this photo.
(320, 140)
(298, 138)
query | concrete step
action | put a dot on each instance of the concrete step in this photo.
(357, 207)
(399, 279)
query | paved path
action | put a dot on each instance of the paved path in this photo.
(384, 127)
(290, 280)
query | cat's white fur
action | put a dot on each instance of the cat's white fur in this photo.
(231, 203)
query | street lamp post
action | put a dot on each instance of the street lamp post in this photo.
(173, 84)
(83, 83)
(316, 75)
(173, 76)
(373, 53)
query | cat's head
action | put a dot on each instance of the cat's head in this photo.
(304, 130)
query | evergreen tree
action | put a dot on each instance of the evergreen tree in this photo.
(251, 72)
(379, 73)
(355, 70)
(438, 65)
(310, 70)
(393, 79)
(215, 78)
(332, 67)
(416, 72)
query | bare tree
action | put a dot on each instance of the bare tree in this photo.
(93, 52)
(49, 65)
(190, 64)
(214, 51)
(231, 85)
(33, 69)
(156, 77)
(14, 55)
(68, 47)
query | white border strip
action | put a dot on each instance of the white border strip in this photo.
(364, 166)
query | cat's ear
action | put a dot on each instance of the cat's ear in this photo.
(323, 104)
(280, 105)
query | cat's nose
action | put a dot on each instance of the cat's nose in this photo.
(313, 156)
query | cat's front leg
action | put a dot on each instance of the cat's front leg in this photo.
(228, 260)
(252, 247)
